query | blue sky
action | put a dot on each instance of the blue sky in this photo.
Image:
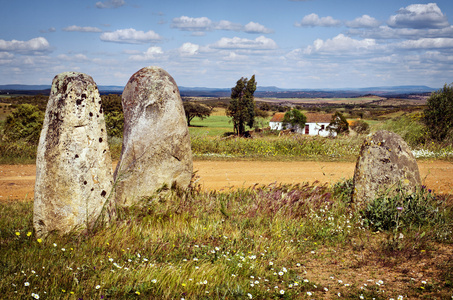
(213, 43)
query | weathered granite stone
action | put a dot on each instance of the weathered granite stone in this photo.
(156, 147)
(73, 167)
(385, 164)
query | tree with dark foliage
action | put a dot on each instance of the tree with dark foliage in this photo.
(338, 124)
(438, 114)
(294, 118)
(242, 104)
(193, 110)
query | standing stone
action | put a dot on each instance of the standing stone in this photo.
(73, 167)
(156, 147)
(385, 164)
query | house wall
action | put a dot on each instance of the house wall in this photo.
(314, 128)
(276, 125)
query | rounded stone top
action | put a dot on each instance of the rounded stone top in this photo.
(62, 80)
(150, 73)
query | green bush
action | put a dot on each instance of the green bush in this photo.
(402, 210)
(360, 127)
(24, 124)
(438, 114)
(338, 124)
(114, 123)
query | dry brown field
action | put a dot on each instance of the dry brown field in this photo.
(17, 181)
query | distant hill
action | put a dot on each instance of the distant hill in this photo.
(261, 91)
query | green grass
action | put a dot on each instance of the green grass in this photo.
(211, 126)
(297, 147)
(217, 125)
(266, 242)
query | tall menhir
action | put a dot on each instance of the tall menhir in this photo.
(156, 147)
(73, 167)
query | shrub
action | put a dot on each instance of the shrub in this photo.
(24, 123)
(438, 115)
(338, 124)
(402, 210)
(360, 127)
(114, 123)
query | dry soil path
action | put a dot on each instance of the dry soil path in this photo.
(17, 181)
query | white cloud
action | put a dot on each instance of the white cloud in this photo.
(227, 25)
(110, 4)
(427, 43)
(203, 24)
(364, 21)
(313, 20)
(260, 43)
(188, 49)
(340, 44)
(76, 57)
(6, 55)
(386, 32)
(82, 29)
(130, 36)
(150, 54)
(419, 16)
(38, 44)
(253, 27)
(192, 24)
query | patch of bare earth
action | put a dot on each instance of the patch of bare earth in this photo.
(366, 265)
(17, 181)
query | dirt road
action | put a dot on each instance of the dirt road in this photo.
(17, 181)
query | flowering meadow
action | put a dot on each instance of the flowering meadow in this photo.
(265, 242)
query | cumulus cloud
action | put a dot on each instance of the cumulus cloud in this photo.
(82, 29)
(5, 55)
(76, 57)
(253, 27)
(192, 24)
(386, 32)
(130, 36)
(110, 4)
(419, 16)
(364, 21)
(233, 56)
(227, 25)
(188, 49)
(427, 43)
(203, 24)
(260, 43)
(340, 44)
(150, 54)
(313, 20)
(35, 45)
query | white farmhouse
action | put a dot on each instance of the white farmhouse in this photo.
(316, 124)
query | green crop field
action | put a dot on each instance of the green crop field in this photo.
(212, 126)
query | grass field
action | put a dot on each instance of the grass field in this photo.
(215, 125)
(266, 242)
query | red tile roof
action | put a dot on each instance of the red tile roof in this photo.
(311, 117)
(318, 118)
(278, 117)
